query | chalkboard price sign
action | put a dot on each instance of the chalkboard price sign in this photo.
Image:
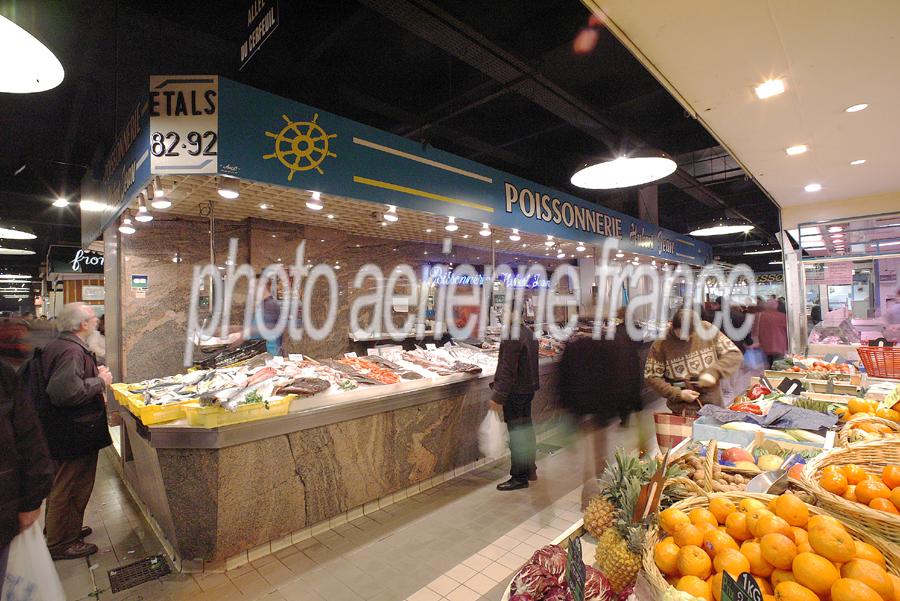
(745, 589)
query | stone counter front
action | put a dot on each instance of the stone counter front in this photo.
(215, 504)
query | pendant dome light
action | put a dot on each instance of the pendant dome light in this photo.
(451, 224)
(514, 236)
(143, 215)
(315, 202)
(391, 214)
(485, 230)
(127, 227)
(229, 187)
(638, 168)
(159, 195)
(29, 65)
(549, 241)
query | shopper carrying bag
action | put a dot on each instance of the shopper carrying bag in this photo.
(30, 574)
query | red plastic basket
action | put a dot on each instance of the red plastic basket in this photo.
(881, 362)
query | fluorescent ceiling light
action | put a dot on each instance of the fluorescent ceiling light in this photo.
(776, 262)
(60, 202)
(835, 228)
(767, 89)
(838, 235)
(28, 65)
(92, 206)
(451, 224)
(795, 150)
(880, 244)
(855, 108)
(229, 187)
(391, 214)
(858, 162)
(514, 236)
(14, 233)
(812, 187)
(722, 229)
(771, 251)
(623, 172)
(485, 230)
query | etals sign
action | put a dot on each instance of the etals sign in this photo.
(184, 124)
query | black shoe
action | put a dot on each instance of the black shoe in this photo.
(532, 476)
(74, 551)
(513, 484)
(85, 532)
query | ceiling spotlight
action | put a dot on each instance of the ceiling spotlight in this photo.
(143, 215)
(549, 241)
(795, 150)
(485, 230)
(769, 88)
(263, 206)
(856, 108)
(315, 202)
(391, 214)
(229, 187)
(160, 202)
(620, 254)
(722, 228)
(158, 191)
(60, 202)
(580, 248)
(127, 227)
(16, 233)
(29, 65)
(514, 236)
(465, 235)
(858, 162)
(835, 228)
(812, 187)
(561, 256)
(428, 230)
(624, 172)
(451, 224)
(330, 216)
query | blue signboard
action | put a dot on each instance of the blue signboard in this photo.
(266, 138)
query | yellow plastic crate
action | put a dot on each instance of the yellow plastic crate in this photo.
(215, 416)
(126, 398)
(157, 414)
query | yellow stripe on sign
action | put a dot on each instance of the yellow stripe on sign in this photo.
(422, 193)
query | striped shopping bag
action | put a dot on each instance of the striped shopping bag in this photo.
(672, 429)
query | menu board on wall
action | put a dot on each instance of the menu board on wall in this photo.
(839, 274)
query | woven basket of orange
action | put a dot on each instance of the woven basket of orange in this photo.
(866, 428)
(794, 551)
(860, 483)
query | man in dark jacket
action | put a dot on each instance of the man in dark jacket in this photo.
(74, 419)
(26, 470)
(515, 382)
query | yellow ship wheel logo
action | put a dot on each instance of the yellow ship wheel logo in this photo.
(301, 145)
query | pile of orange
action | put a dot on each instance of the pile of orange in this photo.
(854, 484)
(857, 407)
(792, 555)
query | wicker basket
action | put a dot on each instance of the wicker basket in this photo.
(881, 361)
(843, 437)
(872, 456)
(658, 582)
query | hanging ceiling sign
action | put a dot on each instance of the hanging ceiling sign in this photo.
(262, 20)
(184, 124)
(74, 259)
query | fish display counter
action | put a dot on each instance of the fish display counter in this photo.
(274, 447)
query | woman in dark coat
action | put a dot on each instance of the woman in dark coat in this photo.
(26, 470)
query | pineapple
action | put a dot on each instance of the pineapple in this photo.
(601, 510)
(598, 516)
(619, 547)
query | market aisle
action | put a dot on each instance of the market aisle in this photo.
(460, 540)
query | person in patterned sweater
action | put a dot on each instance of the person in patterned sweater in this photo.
(687, 366)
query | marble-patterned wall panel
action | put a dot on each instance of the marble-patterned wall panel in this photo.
(154, 325)
(260, 495)
(429, 435)
(191, 481)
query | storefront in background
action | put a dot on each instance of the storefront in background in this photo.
(74, 274)
(211, 172)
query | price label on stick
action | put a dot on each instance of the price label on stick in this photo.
(744, 589)
(791, 386)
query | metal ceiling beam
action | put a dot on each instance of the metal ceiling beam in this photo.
(458, 39)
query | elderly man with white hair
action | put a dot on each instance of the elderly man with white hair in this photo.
(73, 412)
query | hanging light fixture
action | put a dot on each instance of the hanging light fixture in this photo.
(451, 224)
(391, 214)
(229, 187)
(315, 202)
(159, 195)
(561, 256)
(514, 236)
(485, 230)
(60, 202)
(639, 167)
(549, 241)
(29, 66)
(127, 227)
(143, 215)
(580, 248)
(722, 227)
(16, 233)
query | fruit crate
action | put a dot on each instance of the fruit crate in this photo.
(657, 581)
(214, 416)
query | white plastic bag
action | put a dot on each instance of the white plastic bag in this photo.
(492, 435)
(30, 574)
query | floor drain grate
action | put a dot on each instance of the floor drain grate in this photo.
(547, 449)
(139, 572)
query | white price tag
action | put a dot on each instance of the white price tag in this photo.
(295, 357)
(430, 346)
(184, 124)
(350, 355)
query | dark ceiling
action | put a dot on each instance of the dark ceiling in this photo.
(492, 80)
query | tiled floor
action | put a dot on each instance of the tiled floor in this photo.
(460, 541)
